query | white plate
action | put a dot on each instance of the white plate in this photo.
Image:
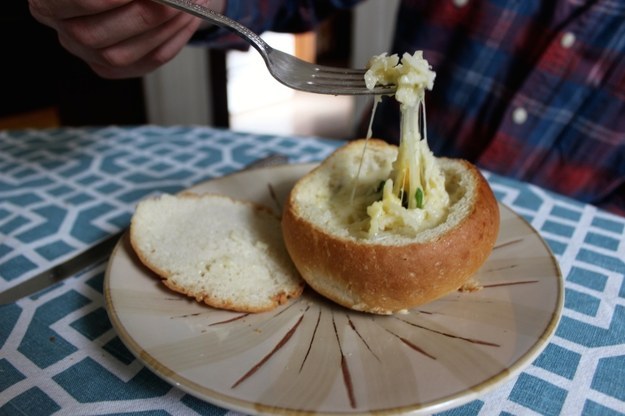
(313, 356)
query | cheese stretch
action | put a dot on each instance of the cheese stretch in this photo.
(413, 196)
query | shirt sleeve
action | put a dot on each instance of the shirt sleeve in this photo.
(292, 16)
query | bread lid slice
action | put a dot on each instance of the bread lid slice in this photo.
(223, 252)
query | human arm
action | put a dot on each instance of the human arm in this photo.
(292, 16)
(130, 38)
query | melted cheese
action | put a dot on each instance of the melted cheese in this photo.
(413, 196)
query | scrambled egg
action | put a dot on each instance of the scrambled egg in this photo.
(414, 196)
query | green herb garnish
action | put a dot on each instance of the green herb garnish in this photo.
(419, 198)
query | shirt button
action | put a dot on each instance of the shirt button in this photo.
(519, 115)
(460, 3)
(567, 40)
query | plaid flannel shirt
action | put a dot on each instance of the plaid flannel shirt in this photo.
(530, 89)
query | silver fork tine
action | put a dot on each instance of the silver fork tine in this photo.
(304, 76)
(287, 69)
(341, 75)
(323, 76)
(340, 71)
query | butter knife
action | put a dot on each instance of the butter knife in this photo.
(92, 255)
(47, 278)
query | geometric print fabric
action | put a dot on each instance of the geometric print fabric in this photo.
(63, 190)
(582, 370)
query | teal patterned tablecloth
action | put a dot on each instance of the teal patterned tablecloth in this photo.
(63, 190)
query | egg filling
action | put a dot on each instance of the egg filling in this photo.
(413, 197)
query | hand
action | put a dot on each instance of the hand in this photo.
(118, 38)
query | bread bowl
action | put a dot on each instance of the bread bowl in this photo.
(392, 273)
(381, 228)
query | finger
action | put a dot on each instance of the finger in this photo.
(125, 53)
(153, 60)
(116, 25)
(48, 11)
(143, 53)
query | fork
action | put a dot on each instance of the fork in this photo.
(287, 69)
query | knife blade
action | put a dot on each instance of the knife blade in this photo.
(59, 272)
(94, 254)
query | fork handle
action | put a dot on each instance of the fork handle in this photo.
(220, 20)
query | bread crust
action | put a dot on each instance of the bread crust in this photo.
(385, 279)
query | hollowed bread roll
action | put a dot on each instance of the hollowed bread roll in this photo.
(322, 225)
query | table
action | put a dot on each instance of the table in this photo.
(63, 190)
